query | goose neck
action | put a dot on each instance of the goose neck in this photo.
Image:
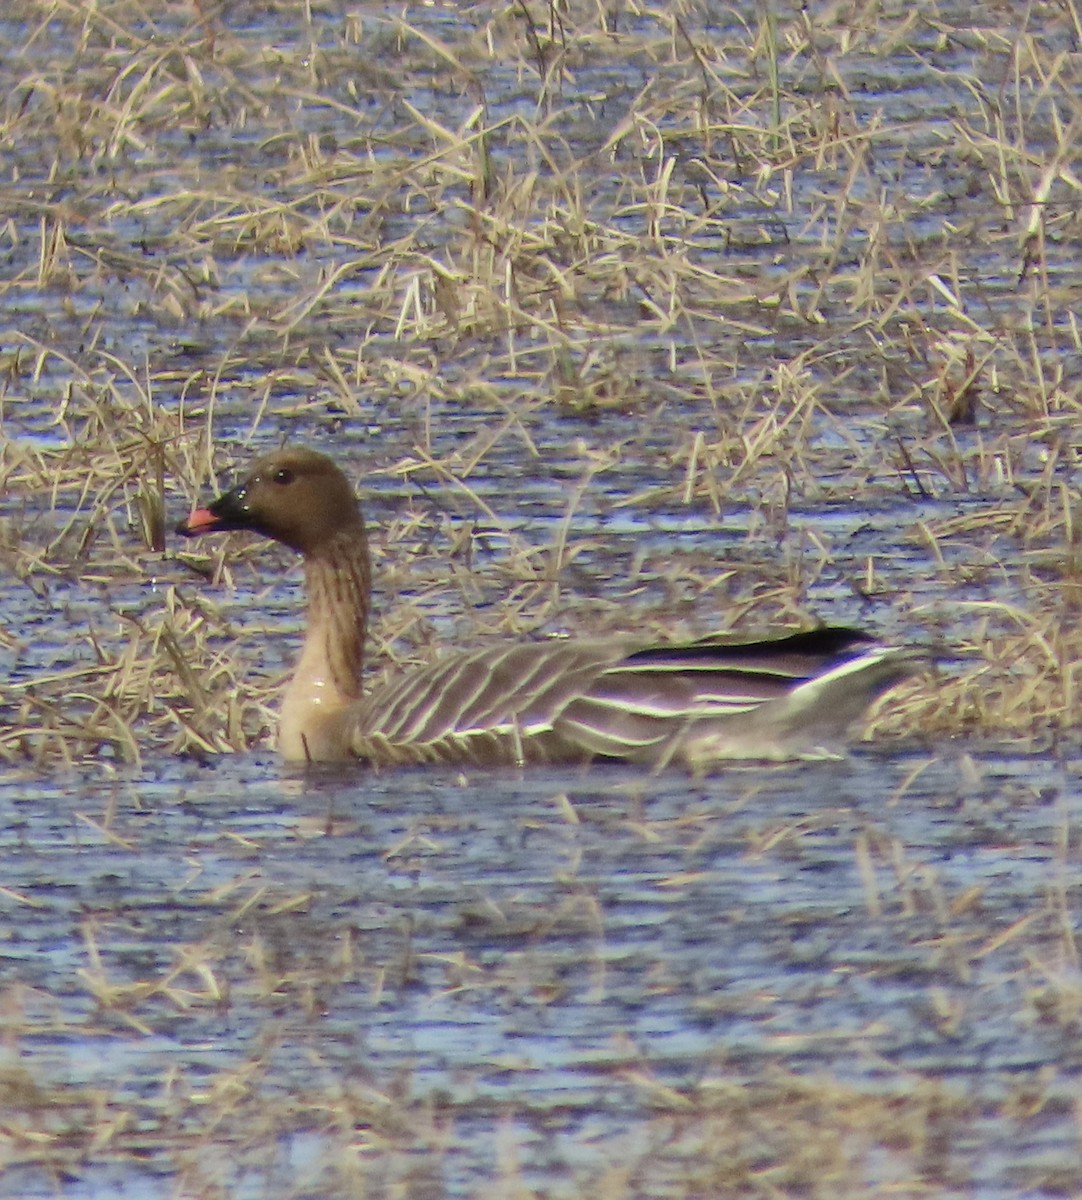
(338, 581)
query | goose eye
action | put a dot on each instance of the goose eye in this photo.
(283, 475)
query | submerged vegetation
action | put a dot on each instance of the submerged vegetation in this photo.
(666, 315)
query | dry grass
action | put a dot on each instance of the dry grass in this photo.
(801, 282)
(195, 1103)
(783, 1136)
(737, 286)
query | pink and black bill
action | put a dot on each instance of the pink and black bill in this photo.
(230, 511)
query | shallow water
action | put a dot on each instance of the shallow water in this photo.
(224, 978)
(543, 964)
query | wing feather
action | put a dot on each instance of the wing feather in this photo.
(564, 700)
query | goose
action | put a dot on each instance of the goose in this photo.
(698, 703)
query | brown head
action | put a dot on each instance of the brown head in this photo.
(295, 496)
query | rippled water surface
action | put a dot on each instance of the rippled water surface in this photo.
(544, 969)
(855, 978)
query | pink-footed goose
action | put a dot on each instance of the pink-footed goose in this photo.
(699, 703)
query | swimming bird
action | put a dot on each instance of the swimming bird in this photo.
(562, 700)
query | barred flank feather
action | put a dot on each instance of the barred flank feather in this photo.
(704, 701)
(698, 703)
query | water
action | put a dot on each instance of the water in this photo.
(220, 977)
(549, 960)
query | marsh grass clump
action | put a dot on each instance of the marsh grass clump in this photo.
(736, 283)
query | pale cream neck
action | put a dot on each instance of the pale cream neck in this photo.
(327, 681)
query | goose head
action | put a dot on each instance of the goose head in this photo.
(296, 496)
